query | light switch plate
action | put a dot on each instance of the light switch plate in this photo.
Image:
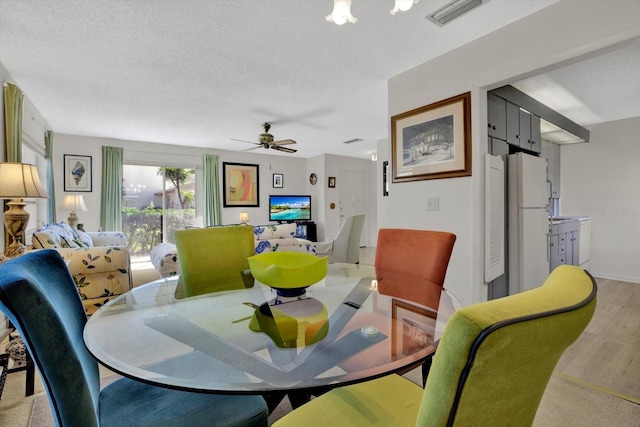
(433, 203)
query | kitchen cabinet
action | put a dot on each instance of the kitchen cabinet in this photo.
(564, 243)
(509, 122)
(497, 116)
(529, 137)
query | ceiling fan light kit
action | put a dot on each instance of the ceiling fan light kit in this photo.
(341, 13)
(342, 10)
(403, 5)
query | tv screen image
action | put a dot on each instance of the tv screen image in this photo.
(289, 208)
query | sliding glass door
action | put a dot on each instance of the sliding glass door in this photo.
(157, 200)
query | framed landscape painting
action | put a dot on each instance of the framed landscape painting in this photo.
(77, 173)
(241, 185)
(433, 141)
(413, 327)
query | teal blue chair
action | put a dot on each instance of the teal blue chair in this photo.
(38, 295)
(492, 366)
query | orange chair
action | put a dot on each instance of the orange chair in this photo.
(423, 254)
(412, 264)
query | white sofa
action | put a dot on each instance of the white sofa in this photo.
(99, 261)
(268, 238)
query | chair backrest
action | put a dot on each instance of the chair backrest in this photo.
(346, 245)
(421, 253)
(495, 358)
(39, 296)
(214, 259)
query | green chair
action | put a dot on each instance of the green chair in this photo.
(214, 259)
(491, 369)
(40, 298)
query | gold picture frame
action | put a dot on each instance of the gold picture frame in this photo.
(241, 185)
(413, 327)
(432, 142)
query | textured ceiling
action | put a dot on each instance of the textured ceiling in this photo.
(200, 73)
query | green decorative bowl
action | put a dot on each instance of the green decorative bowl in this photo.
(288, 270)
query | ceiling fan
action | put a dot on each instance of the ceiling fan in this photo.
(266, 141)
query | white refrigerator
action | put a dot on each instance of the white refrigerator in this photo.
(529, 222)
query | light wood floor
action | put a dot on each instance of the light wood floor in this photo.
(607, 354)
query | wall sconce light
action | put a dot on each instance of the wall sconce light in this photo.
(403, 5)
(341, 13)
(73, 203)
(244, 217)
(19, 180)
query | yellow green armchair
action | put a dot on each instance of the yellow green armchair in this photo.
(491, 369)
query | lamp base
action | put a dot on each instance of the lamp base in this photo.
(15, 221)
(72, 220)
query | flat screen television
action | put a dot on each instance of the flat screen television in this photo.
(289, 208)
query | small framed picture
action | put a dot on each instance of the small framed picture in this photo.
(332, 182)
(77, 173)
(278, 180)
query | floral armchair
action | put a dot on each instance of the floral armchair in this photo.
(99, 261)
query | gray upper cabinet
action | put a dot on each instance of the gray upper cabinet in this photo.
(530, 132)
(513, 124)
(497, 117)
(508, 122)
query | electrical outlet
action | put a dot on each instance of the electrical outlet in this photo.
(433, 203)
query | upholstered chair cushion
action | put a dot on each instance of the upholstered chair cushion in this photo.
(38, 295)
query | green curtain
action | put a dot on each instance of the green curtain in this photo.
(51, 202)
(111, 201)
(212, 211)
(13, 99)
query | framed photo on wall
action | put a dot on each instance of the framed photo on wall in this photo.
(241, 185)
(433, 141)
(77, 173)
(278, 180)
(413, 327)
(332, 182)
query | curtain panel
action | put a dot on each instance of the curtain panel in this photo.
(212, 210)
(51, 201)
(111, 201)
(13, 101)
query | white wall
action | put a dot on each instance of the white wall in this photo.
(601, 179)
(554, 36)
(143, 153)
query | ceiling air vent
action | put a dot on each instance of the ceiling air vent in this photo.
(351, 141)
(453, 10)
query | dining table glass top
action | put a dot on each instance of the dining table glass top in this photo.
(353, 325)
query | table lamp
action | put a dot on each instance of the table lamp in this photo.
(73, 203)
(19, 180)
(244, 217)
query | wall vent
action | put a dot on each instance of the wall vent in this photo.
(351, 141)
(453, 10)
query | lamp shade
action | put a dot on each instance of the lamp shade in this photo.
(244, 216)
(73, 202)
(20, 180)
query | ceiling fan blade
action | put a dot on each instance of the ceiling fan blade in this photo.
(284, 142)
(284, 149)
(253, 148)
(248, 142)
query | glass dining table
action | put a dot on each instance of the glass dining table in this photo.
(354, 325)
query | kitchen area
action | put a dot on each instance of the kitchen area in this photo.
(527, 136)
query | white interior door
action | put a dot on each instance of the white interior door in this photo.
(353, 198)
